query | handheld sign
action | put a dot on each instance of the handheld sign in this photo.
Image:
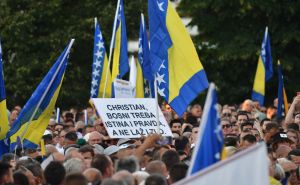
(130, 117)
(123, 89)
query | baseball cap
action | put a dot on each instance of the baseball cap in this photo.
(126, 145)
(111, 150)
(280, 137)
(125, 140)
(98, 149)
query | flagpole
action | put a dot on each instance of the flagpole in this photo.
(111, 48)
(47, 89)
(57, 115)
(156, 107)
(142, 17)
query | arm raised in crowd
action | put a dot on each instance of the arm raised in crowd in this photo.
(150, 141)
(290, 115)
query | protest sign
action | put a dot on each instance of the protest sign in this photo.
(247, 167)
(131, 117)
(123, 89)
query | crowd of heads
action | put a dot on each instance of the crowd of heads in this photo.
(80, 152)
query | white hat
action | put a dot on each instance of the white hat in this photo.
(111, 150)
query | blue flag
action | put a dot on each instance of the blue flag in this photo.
(264, 70)
(120, 56)
(100, 65)
(209, 147)
(4, 125)
(144, 60)
(175, 63)
(281, 95)
(40, 105)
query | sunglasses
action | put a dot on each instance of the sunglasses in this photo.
(226, 126)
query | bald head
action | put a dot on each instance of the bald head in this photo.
(124, 176)
(157, 167)
(94, 138)
(247, 105)
(58, 157)
(92, 175)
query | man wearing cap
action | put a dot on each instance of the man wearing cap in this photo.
(111, 150)
(126, 148)
(279, 139)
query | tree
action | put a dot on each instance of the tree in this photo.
(34, 33)
(230, 38)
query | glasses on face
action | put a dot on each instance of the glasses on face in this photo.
(226, 126)
(227, 114)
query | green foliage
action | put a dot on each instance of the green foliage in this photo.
(230, 37)
(34, 33)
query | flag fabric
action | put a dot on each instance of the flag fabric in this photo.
(134, 79)
(120, 56)
(179, 73)
(140, 88)
(34, 117)
(144, 61)
(43, 147)
(209, 147)
(264, 70)
(247, 167)
(133, 72)
(281, 95)
(100, 65)
(4, 125)
(285, 102)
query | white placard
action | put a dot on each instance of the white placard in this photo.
(123, 89)
(255, 169)
(130, 117)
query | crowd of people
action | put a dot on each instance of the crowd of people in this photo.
(80, 153)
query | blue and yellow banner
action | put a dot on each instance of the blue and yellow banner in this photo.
(264, 70)
(34, 117)
(100, 66)
(4, 124)
(281, 95)
(120, 56)
(147, 78)
(209, 148)
(175, 63)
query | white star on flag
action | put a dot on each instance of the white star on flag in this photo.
(147, 90)
(162, 66)
(100, 45)
(140, 49)
(94, 82)
(93, 91)
(100, 36)
(98, 54)
(97, 63)
(217, 155)
(263, 52)
(161, 92)
(96, 73)
(160, 78)
(160, 6)
(217, 131)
